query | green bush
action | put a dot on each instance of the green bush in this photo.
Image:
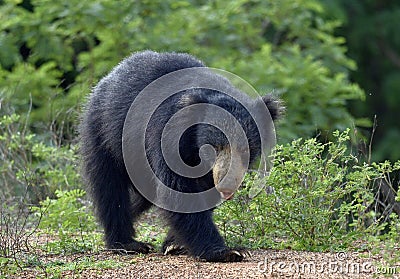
(70, 220)
(323, 198)
(30, 165)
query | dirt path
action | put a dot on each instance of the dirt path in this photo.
(261, 264)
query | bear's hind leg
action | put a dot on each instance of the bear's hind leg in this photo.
(138, 205)
(111, 193)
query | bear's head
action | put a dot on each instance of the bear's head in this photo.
(227, 135)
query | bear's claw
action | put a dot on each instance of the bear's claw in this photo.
(134, 247)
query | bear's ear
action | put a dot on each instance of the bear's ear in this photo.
(189, 98)
(274, 105)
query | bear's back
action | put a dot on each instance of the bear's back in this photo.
(137, 71)
(111, 99)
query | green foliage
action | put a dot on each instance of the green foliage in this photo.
(323, 199)
(31, 165)
(151, 229)
(70, 220)
(65, 213)
(56, 50)
(55, 269)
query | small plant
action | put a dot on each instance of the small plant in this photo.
(151, 229)
(16, 229)
(55, 269)
(70, 220)
(323, 198)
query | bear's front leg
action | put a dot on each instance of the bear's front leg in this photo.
(198, 233)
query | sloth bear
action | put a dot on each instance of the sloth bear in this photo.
(118, 201)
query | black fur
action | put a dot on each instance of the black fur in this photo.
(115, 198)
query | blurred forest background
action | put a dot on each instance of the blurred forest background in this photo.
(373, 42)
(306, 51)
(336, 64)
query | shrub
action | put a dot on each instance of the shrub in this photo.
(31, 165)
(323, 198)
(69, 218)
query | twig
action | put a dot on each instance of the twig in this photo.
(370, 141)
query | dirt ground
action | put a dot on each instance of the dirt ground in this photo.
(260, 264)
